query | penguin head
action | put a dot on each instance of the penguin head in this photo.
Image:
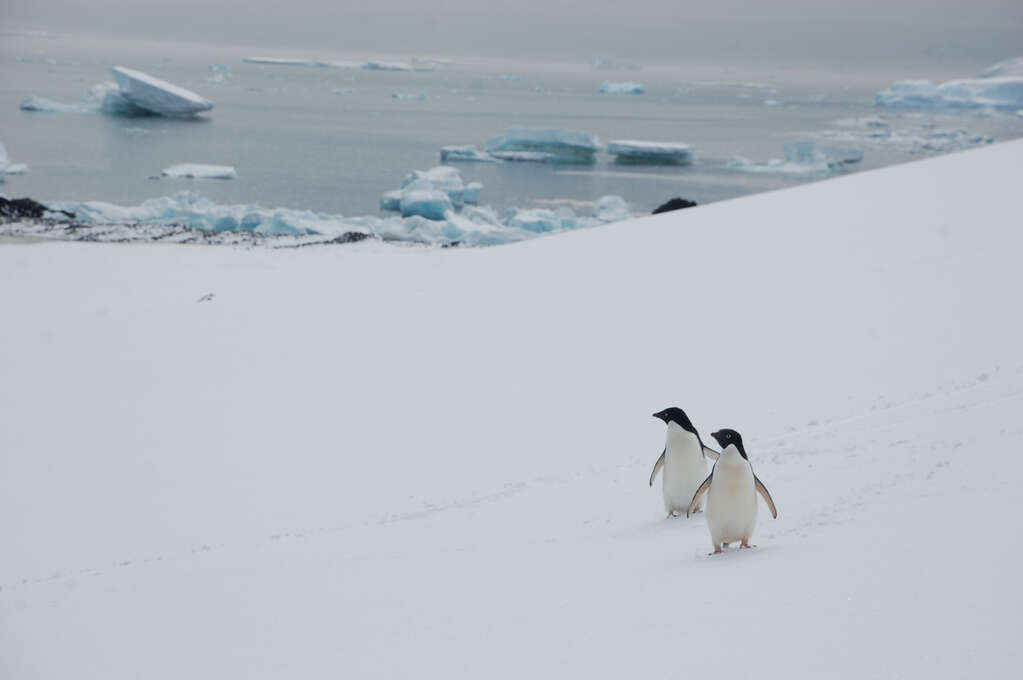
(676, 415)
(727, 437)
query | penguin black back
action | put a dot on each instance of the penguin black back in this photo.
(726, 437)
(674, 414)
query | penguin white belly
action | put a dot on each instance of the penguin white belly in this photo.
(731, 501)
(684, 469)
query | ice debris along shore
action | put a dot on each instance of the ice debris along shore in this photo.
(431, 194)
(802, 157)
(905, 133)
(200, 171)
(188, 217)
(650, 153)
(134, 94)
(999, 87)
(610, 87)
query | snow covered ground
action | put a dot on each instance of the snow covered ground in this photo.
(382, 461)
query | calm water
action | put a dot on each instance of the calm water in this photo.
(296, 143)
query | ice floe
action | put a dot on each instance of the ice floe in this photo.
(609, 64)
(103, 97)
(465, 153)
(219, 73)
(395, 66)
(430, 194)
(653, 153)
(188, 217)
(417, 96)
(907, 134)
(200, 171)
(7, 167)
(610, 87)
(802, 157)
(525, 156)
(568, 146)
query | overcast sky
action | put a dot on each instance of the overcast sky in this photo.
(786, 31)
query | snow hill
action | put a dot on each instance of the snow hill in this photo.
(380, 461)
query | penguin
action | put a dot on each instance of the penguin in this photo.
(731, 489)
(684, 460)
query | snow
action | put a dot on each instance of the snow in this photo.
(465, 153)
(370, 460)
(650, 152)
(627, 87)
(990, 92)
(1009, 67)
(802, 157)
(563, 145)
(200, 171)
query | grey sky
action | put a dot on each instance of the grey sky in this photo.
(785, 31)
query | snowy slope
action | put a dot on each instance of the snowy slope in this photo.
(385, 461)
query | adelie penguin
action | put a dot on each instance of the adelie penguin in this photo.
(684, 460)
(731, 489)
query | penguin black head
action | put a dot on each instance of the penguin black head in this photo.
(676, 415)
(727, 438)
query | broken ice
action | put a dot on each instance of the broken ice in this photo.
(802, 157)
(1000, 86)
(431, 194)
(134, 94)
(465, 153)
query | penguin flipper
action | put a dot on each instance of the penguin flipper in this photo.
(657, 466)
(710, 453)
(762, 490)
(699, 492)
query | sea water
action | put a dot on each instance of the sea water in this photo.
(333, 140)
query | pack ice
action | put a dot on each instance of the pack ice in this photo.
(200, 171)
(566, 146)
(1000, 86)
(465, 153)
(633, 151)
(627, 87)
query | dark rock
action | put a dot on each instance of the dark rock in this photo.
(22, 208)
(674, 204)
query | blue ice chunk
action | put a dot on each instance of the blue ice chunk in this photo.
(429, 203)
(627, 87)
(572, 146)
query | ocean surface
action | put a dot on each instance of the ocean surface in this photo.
(332, 140)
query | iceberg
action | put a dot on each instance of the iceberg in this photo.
(465, 153)
(219, 73)
(279, 61)
(200, 171)
(611, 209)
(622, 88)
(429, 203)
(633, 151)
(471, 194)
(431, 194)
(16, 169)
(395, 66)
(1009, 67)
(802, 157)
(608, 64)
(988, 92)
(9, 168)
(566, 146)
(419, 96)
(432, 61)
(157, 95)
(102, 98)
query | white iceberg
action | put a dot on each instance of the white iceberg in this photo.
(1009, 67)
(200, 171)
(622, 88)
(431, 194)
(570, 146)
(432, 61)
(988, 92)
(158, 96)
(465, 153)
(611, 209)
(279, 61)
(634, 151)
(440, 178)
(9, 168)
(16, 169)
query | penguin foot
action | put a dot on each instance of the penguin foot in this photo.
(717, 550)
(746, 545)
